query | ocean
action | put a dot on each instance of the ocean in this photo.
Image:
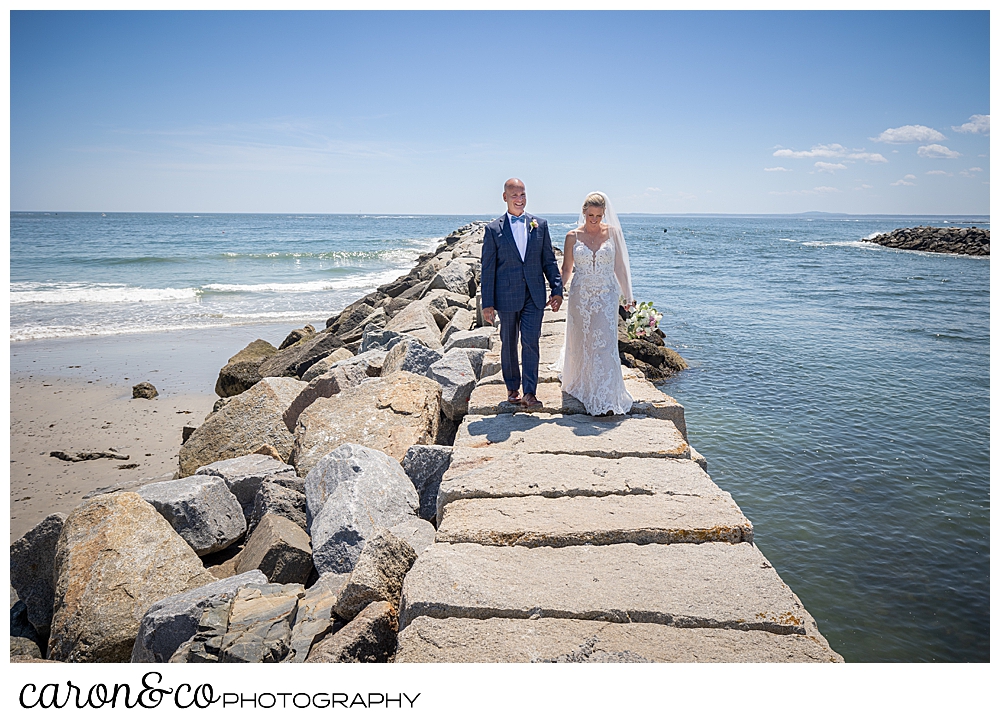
(840, 390)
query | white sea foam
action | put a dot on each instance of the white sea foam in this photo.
(356, 281)
(84, 293)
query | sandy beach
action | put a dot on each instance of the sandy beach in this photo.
(76, 394)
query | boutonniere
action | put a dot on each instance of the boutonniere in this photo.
(533, 225)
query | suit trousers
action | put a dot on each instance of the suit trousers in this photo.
(526, 324)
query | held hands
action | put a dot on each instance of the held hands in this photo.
(554, 303)
(489, 315)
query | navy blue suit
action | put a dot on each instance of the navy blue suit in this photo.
(516, 289)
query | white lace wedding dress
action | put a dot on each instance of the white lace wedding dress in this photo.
(591, 370)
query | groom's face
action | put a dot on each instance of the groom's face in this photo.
(516, 198)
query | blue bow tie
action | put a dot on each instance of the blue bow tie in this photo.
(517, 219)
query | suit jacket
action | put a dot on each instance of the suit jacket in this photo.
(505, 278)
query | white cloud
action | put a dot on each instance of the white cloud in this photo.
(652, 188)
(832, 150)
(863, 187)
(907, 180)
(935, 150)
(908, 134)
(939, 173)
(807, 192)
(777, 168)
(969, 172)
(824, 167)
(976, 124)
(868, 157)
(975, 168)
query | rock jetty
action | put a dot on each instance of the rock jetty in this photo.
(365, 493)
(970, 241)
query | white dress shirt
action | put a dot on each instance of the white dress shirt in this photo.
(520, 231)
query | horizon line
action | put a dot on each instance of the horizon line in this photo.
(549, 213)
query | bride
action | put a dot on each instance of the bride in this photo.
(595, 271)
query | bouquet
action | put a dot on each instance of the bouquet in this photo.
(643, 322)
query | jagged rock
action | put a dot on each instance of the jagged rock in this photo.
(260, 624)
(340, 377)
(397, 287)
(457, 379)
(314, 618)
(413, 293)
(249, 420)
(297, 335)
(172, 621)
(352, 315)
(32, 570)
(409, 355)
(654, 361)
(457, 277)
(375, 320)
(380, 339)
(116, 556)
(462, 320)
(24, 648)
(206, 644)
(377, 575)
(476, 357)
(324, 364)
(349, 493)
(279, 548)
(266, 450)
(274, 499)
(425, 465)
(389, 414)
(244, 475)
(296, 359)
(970, 241)
(476, 338)
(186, 432)
(417, 320)
(369, 638)
(144, 390)
(200, 508)
(243, 370)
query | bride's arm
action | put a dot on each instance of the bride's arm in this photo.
(567, 267)
(624, 276)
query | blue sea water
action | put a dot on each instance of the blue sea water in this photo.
(840, 390)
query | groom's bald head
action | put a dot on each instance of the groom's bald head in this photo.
(515, 196)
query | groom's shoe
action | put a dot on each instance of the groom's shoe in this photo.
(530, 402)
(514, 397)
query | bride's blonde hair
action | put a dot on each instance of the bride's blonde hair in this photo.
(594, 199)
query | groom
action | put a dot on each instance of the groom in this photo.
(517, 258)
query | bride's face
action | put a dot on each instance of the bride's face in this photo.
(593, 216)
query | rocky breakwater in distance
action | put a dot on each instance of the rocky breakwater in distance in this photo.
(304, 500)
(970, 241)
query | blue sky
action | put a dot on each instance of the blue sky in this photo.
(429, 112)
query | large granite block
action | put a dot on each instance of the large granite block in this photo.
(711, 585)
(579, 434)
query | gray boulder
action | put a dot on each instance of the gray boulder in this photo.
(244, 475)
(275, 499)
(243, 370)
(369, 638)
(456, 277)
(297, 335)
(409, 355)
(296, 359)
(201, 509)
(425, 465)
(116, 556)
(279, 548)
(333, 382)
(248, 421)
(379, 339)
(476, 357)
(32, 570)
(324, 364)
(457, 379)
(476, 338)
(171, 622)
(377, 575)
(24, 639)
(417, 320)
(314, 618)
(350, 493)
(462, 320)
